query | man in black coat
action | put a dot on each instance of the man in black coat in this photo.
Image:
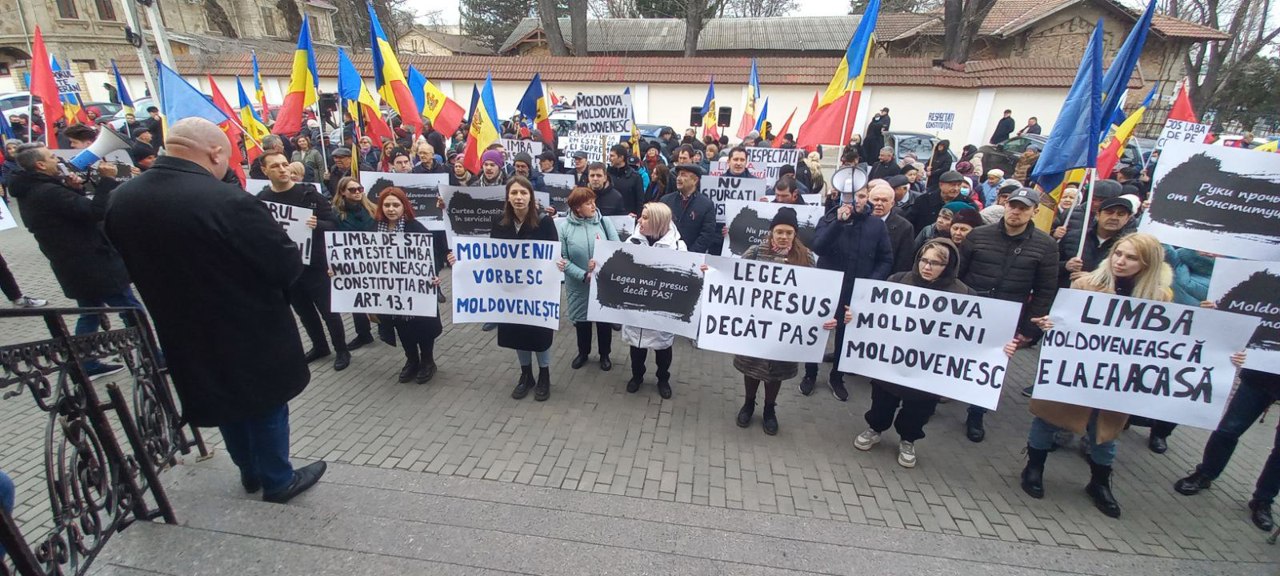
(215, 267)
(625, 179)
(1004, 128)
(692, 212)
(66, 225)
(902, 237)
(924, 211)
(608, 200)
(1011, 260)
(310, 294)
(874, 140)
(885, 166)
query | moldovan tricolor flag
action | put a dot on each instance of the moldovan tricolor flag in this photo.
(44, 87)
(445, 114)
(229, 127)
(360, 101)
(389, 77)
(1113, 148)
(838, 107)
(484, 128)
(533, 106)
(253, 127)
(302, 86)
(258, 92)
(748, 122)
(709, 112)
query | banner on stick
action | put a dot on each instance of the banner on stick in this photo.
(603, 114)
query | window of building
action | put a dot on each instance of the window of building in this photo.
(210, 25)
(67, 9)
(315, 26)
(268, 21)
(106, 11)
(86, 64)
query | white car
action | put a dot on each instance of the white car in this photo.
(15, 103)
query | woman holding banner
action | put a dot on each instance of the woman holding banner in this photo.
(355, 214)
(521, 220)
(1135, 267)
(579, 232)
(417, 333)
(780, 247)
(653, 229)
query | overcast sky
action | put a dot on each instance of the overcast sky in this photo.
(449, 8)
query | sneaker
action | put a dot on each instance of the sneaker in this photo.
(29, 302)
(100, 370)
(838, 390)
(907, 454)
(807, 384)
(866, 440)
(1028, 390)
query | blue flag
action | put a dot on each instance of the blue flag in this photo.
(179, 99)
(1117, 78)
(1073, 143)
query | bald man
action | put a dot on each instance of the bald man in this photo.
(214, 267)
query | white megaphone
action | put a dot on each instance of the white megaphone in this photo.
(108, 141)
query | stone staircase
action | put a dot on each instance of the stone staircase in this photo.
(362, 520)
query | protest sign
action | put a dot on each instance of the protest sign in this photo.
(423, 191)
(472, 210)
(779, 156)
(558, 187)
(7, 222)
(723, 188)
(507, 281)
(591, 145)
(66, 81)
(938, 121)
(767, 310)
(256, 187)
(382, 273)
(646, 287)
(603, 114)
(748, 223)
(767, 172)
(1156, 359)
(1217, 199)
(625, 225)
(1181, 131)
(512, 147)
(1252, 288)
(293, 220)
(942, 343)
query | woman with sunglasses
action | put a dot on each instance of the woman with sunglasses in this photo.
(355, 214)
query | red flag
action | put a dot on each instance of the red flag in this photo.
(230, 128)
(780, 138)
(45, 88)
(813, 107)
(1182, 107)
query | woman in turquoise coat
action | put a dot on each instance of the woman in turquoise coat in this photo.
(579, 231)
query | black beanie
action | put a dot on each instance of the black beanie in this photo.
(786, 215)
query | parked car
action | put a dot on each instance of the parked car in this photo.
(14, 103)
(1005, 154)
(919, 143)
(103, 109)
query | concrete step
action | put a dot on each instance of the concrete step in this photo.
(362, 520)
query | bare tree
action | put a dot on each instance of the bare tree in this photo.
(1210, 66)
(551, 27)
(578, 26)
(614, 9)
(961, 21)
(757, 8)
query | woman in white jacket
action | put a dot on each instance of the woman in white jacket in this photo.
(653, 229)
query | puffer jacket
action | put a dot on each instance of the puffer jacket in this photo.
(1022, 268)
(630, 184)
(578, 238)
(1191, 273)
(646, 337)
(859, 246)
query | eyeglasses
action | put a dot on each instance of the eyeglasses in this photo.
(355, 188)
(932, 263)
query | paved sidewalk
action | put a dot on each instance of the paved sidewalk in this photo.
(593, 437)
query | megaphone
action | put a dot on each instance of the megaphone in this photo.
(108, 141)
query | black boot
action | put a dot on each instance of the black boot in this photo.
(526, 382)
(1193, 484)
(542, 390)
(406, 373)
(1260, 514)
(1033, 474)
(748, 410)
(770, 420)
(1099, 489)
(973, 429)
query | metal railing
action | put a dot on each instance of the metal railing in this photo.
(97, 484)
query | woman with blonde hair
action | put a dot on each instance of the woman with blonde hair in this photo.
(654, 228)
(1135, 267)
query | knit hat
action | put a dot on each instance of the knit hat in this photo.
(956, 206)
(967, 215)
(523, 157)
(786, 215)
(998, 173)
(492, 156)
(964, 167)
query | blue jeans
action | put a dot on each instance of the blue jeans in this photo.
(6, 499)
(526, 358)
(260, 448)
(1256, 392)
(89, 323)
(1041, 438)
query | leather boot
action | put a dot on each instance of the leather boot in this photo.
(748, 410)
(770, 420)
(1033, 474)
(524, 384)
(542, 390)
(1099, 489)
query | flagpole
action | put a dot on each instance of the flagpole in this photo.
(844, 125)
(324, 155)
(1089, 177)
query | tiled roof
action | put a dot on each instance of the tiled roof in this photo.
(623, 35)
(1020, 72)
(1009, 17)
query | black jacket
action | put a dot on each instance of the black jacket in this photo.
(305, 196)
(1004, 128)
(859, 246)
(629, 183)
(902, 239)
(521, 336)
(610, 203)
(696, 220)
(214, 268)
(67, 226)
(882, 170)
(1094, 251)
(1022, 268)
